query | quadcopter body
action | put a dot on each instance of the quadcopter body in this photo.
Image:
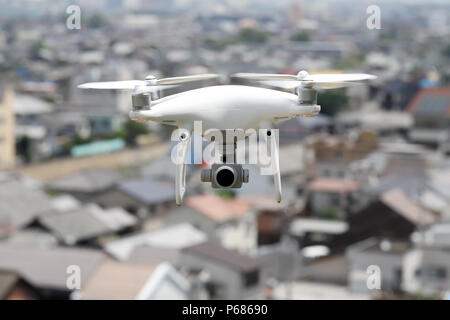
(228, 108)
(225, 107)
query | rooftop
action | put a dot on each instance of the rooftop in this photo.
(148, 254)
(147, 190)
(431, 102)
(48, 267)
(86, 222)
(117, 281)
(336, 185)
(8, 279)
(15, 209)
(398, 201)
(89, 180)
(301, 225)
(213, 251)
(217, 208)
(28, 105)
(173, 237)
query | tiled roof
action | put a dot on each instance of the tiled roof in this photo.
(48, 267)
(217, 208)
(86, 222)
(115, 280)
(398, 201)
(89, 180)
(214, 251)
(147, 190)
(431, 101)
(337, 185)
(15, 209)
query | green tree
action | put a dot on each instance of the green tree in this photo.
(446, 51)
(300, 36)
(132, 129)
(251, 35)
(225, 193)
(331, 213)
(23, 148)
(97, 20)
(332, 101)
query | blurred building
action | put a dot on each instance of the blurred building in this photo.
(329, 156)
(15, 287)
(232, 275)
(431, 111)
(7, 135)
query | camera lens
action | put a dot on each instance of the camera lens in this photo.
(225, 177)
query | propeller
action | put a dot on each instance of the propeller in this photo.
(150, 84)
(304, 79)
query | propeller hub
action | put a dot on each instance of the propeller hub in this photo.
(151, 80)
(302, 75)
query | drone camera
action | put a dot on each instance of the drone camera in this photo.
(224, 176)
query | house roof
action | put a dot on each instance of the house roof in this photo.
(173, 237)
(431, 102)
(116, 280)
(217, 208)
(89, 180)
(165, 283)
(65, 202)
(399, 202)
(161, 169)
(86, 222)
(338, 185)
(147, 190)
(28, 104)
(153, 255)
(213, 251)
(15, 209)
(30, 238)
(48, 267)
(411, 185)
(299, 226)
(8, 279)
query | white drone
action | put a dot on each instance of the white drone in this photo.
(228, 107)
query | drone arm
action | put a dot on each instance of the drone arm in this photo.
(182, 151)
(271, 139)
(277, 174)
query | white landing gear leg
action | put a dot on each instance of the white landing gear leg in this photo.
(271, 138)
(182, 151)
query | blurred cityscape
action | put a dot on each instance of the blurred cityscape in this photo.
(86, 191)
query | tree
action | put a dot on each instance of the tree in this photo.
(97, 21)
(251, 35)
(446, 51)
(300, 36)
(132, 129)
(23, 148)
(225, 193)
(331, 213)
(332, 101)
